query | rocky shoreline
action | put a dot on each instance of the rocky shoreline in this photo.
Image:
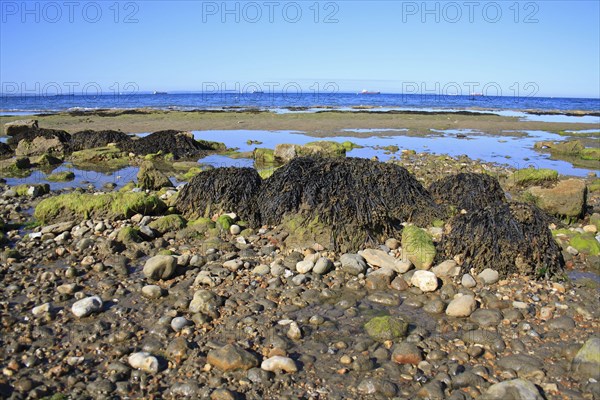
(128, 295)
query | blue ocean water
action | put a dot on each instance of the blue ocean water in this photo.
(283, 101)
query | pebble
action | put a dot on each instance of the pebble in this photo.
(407, 353)
(322, 266)
(279, 363)
(379, 258)
(160, 267)
(143, 361)
(178, 323)
(235, 229)
(41, 309)
(489, 276)
(515, 389)
(486, 318)
(446, 268)
(86, 306)
(152, 291)
(294, 331)
(468, 281)
(461, 306)
(304, 266)
(231, 358)
(424, 280)
(353, 264)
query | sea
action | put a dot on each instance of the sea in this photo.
(291, 102)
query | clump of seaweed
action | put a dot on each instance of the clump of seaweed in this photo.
(5, 150)
(180, 144)
(511, 238)
(468, 191)
(90, 139)
(222, 190)
(358, 201)
(33, 133)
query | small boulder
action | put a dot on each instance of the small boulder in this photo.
(567, 198)
(379, 258)
(587, 360)
(386, 328)
(143, 361)
(353, 264)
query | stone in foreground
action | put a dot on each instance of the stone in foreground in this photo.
(160, 267)
(515, 389)
(231, 358)
(87, 306)
(279, 363)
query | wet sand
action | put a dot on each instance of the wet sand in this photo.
(321, 124)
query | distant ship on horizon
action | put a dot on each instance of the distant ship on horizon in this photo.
(155, 92)
(365, 91)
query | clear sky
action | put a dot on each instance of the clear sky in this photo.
(551, 47)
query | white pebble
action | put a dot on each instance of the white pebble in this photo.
(279, 363)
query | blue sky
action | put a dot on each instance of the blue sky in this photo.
(551, 48)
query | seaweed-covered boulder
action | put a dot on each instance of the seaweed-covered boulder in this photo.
(150, 178)
(467, 191)
(343, 203)
(510, 238)
(90, 139)
(5, 150)
(221, 190)
(30, 135)
(13, 128)
(180, 144)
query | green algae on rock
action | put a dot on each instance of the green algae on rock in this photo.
(81, 206)
(586, 243)
(151, 178)
(417, 247)
(386, 328)
(533, 176)
(168, 223)
(108, 158)
(64, 176)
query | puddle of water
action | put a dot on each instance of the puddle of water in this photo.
(3, 139)
(575, 275)
(584, 119)
(517, 152)
(375, 130)
(82, 178)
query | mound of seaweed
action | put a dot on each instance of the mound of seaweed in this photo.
(467, 191)
(180, 144)
(222, 190)
(90, 139)
(353, 201)
(5, 150)
(32, 133)
(511, 238)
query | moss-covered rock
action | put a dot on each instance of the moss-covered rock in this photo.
(590, 153)
(586, 243)
(196, 228)
(47, 160)
(128, 187)
(192, 172)
(80, 206)
(348, 145)
(35, 190)
(533, 176)
(386, 328)
(417, 247)
(15, 167)
(594, 186)
(150, 178)
(64, 176)
(263, 156)
(109, 158)
(168, 223)
(324, 148)
(225, 222)
(127, 235)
